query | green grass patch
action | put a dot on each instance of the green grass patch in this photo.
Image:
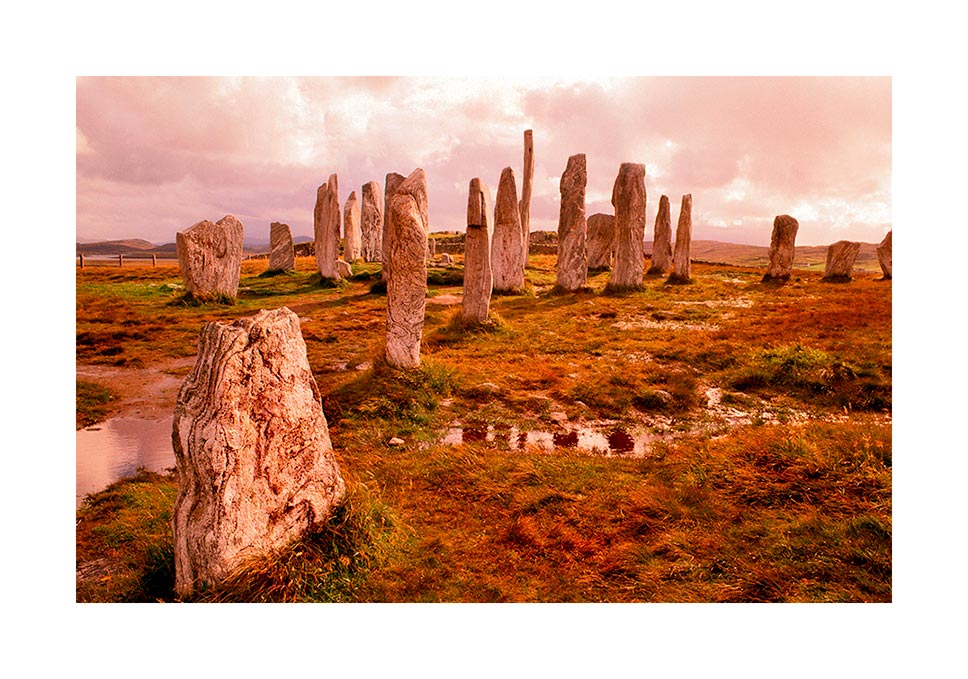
(91, 403)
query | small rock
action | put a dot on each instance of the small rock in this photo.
(363, 366)
(395, 441)
(558, 416)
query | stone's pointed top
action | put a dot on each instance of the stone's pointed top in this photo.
(664, 200)
(478, 203)
(333, 183)
(352, 197)
(507, 199)
(415, 180)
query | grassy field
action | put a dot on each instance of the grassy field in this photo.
(767, 408)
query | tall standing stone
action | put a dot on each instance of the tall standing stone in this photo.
(371, 222)
(326, 219)
(681, 259)
(390, 186)
(406, 253)
(253, 456)
(601, 241)
(478, 279)
(210, 257)
(525, 204)
(506, 252)
(572, 262)
(628, 199)
(281, 256)
(840, 260)
(352, 232)
(661, 241)
(884, 254)
(781, 248)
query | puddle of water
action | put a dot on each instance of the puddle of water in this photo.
(598, 440)
(117, 448)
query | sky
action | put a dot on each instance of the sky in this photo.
(155, 155)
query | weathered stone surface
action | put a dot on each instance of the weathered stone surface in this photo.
(524, 206)
(628, 199)
(433, 247)
(281, 257)
(352, 232)
(343, 268)
(506, 265)
(884, 254)
(478, 279)
(446, 259)
(601, 241)
(681, 258)
(252, 449)
(662, 241)
(210, 257)
(371, 222)
(781, 248)
(572, 265)
(390, 186)
(406, 253)
(326, 220)
(840, 260)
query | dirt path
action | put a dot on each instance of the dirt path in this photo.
(146, 392)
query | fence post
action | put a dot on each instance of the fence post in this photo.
(154, 261)
(120, 259)
(81, 255)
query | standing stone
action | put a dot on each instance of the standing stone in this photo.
(478, 279)
(662, 241)
(884, 254)
(281, 256)
(628, 199)
(601, 241)
(253, 455)
(681, 262)
(506, 266)
(371, 222)
(210, 257)
(405, 250)
(572, 262)
(433, 247)
(840, 260)
(446, 259)
(352, 233)
(390, 186)
(344, 268)
(781, 248)
(525, 204)
(326, 228)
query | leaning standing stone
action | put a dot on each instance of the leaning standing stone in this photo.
(884, 254)
(781, 248)
(601, 241)
(326, 229)
(371, 222)
(352, 233)
(681, 262)
(280, 248)
(572, 262)
(478, 279)
(628, 199)
(525, 204)
(506, 265)
(252, 450)
(393, 181)
(661, 241)
(406, 253)
(210, 257)
(840, 260)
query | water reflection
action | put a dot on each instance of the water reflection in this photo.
(117, 448)
(613, 440)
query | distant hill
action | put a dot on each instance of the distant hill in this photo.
(114, 247)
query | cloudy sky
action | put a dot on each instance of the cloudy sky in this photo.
(155, 155)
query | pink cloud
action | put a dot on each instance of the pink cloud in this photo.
(156, 155)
